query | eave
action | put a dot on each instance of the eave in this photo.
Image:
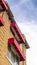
(12, 41)
(26, 43)
(11, 17)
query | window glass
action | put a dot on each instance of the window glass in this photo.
(12, 57)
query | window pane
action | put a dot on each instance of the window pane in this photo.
(12, 56)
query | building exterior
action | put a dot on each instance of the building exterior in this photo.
(13, 43)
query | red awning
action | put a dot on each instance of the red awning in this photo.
(16, 28)
(1, 21)
(3, 4)
(16, 46)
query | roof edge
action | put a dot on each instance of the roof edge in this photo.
(26, 43)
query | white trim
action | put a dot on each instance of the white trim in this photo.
(9, 60)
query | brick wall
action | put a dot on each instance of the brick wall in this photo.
(5, 34)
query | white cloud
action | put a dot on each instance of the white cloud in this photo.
(30, 31)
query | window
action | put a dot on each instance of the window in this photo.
(12, 56)
(18, 35)
(16, 48)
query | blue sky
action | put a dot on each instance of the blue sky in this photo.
(25, 14)
(26, 10)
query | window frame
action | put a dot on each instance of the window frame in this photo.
(15, 58)
(12, 41)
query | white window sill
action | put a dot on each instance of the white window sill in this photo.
(9, 60)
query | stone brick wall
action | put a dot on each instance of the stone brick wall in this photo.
(5, 34)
